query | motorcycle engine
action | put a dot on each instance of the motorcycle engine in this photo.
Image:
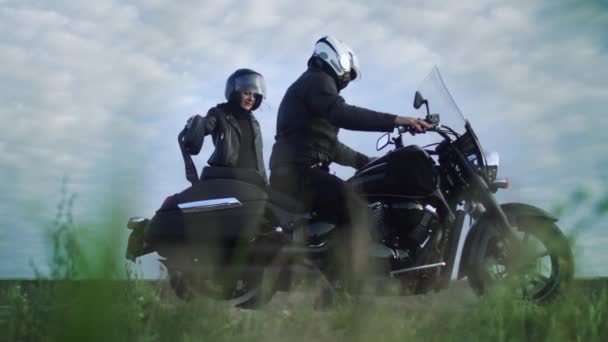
(405, 225)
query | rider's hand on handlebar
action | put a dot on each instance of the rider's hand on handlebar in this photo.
(415, 125)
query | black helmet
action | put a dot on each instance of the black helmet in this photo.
(246, 80)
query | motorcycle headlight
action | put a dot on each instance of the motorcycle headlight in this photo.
(492, 161)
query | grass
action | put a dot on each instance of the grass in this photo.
(140, 311)
(81, 300)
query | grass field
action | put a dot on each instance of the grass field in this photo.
(97, 310)
(66, 305)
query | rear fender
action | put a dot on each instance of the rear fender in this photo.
(136, 245)
(515, 212)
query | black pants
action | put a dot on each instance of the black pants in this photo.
(333, 200)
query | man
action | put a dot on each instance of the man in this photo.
(309, 118)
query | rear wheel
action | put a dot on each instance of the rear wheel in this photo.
(537, 262)
(249, 284)
(237, 292)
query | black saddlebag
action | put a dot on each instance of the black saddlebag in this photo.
(214, 211)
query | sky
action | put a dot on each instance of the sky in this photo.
(96, 93)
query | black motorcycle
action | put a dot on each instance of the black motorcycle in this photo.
(230, 237)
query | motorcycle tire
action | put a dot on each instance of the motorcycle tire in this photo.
(539, 264)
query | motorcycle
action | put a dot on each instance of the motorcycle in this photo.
(228, 233)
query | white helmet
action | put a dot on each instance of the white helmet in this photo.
(339, 56)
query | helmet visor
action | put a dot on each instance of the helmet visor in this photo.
(250, 82)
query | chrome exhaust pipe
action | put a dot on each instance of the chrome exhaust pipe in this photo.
(415, 268)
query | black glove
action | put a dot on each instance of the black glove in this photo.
(195, 132)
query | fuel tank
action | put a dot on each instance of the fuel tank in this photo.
(408, 171)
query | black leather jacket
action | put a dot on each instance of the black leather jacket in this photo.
(226, 134)
(309, 119)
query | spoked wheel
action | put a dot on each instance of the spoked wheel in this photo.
(249, 285)
(537, 261)
(236, 292)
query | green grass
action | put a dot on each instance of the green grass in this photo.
(81, 300)
(140, 311)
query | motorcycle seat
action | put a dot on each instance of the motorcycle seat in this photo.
(286, 202)
(245, 175)
(279, 199)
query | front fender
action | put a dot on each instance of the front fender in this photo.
(514, 212)
(517, 211)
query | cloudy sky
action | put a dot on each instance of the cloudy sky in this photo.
(97, 93)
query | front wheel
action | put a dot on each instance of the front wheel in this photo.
(537, 261)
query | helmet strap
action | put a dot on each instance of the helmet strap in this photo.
(341, 82)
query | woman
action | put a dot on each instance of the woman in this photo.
(235, 131)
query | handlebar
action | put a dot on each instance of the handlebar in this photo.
(444, 131)
(405, 129)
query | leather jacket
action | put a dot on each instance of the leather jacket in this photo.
(309, 119)
(226, 135)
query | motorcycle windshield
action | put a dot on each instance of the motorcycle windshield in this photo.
(440, 101)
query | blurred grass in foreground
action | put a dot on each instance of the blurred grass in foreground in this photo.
(138, 311)
(73, 307)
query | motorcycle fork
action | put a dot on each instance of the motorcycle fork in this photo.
(482, 190)
(451, 250)
(494, 210)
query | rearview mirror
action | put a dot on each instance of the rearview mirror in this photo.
(383, 141)
(419, 100)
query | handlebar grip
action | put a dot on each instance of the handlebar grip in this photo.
(406, 129)
(412, 130)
